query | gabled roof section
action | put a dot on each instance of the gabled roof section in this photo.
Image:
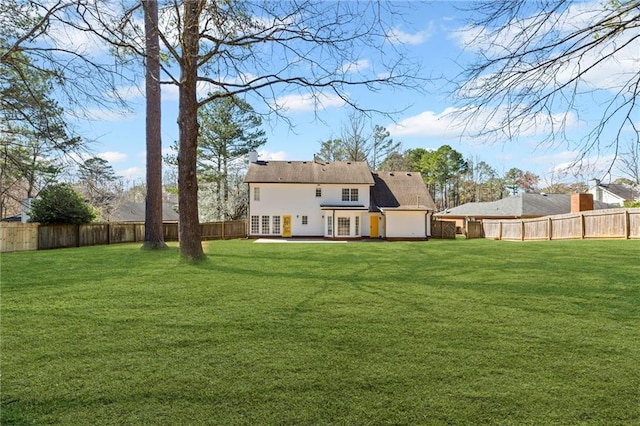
(401, 191)
(522, 205)
(624, 192)
(130, 211)
(315, 172)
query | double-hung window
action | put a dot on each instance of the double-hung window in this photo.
(349, 194)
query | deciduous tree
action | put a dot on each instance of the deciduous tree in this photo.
(539, 62)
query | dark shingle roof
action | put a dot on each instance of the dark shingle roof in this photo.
(401, 190)
(522, 205)
(130, 211)
(339, 172)
(623, 191)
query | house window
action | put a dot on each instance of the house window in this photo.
(318, 192)
(357, 230)
(349, 194)
(330, 226)
(344, 225)
(256, 194)
(265, 224)
(276, 225)
(305, 220)
(255, 224)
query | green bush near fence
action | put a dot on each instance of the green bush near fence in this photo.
(438, 332)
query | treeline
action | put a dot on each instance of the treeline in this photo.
(454, 180)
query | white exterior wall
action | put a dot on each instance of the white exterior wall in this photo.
(405, 224)
(601, 194)
(300, 200)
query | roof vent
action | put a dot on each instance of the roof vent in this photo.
(391, 174)
(348, 162)
(304, 162)
(408, 174)
(288, 162)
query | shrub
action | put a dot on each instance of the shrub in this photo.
(61, 204)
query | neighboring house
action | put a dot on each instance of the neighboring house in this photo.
(335, 200)
(130, 211)
(521, 206)
(612, 193)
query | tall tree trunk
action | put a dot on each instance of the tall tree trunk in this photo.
(189, 225)
(153, 232)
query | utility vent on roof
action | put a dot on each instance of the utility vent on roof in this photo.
(348, 162)
(390, 174)
(408, 174)
(288, 162)
(304, 162)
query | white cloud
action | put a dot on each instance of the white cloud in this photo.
(457, 123)
(357, 66)
(606, 66)
(113, 157)
(128, 93)
(308, 102)
(396, 35)
(132, 173)
(169, 92)
(265, 155)
(99, 114)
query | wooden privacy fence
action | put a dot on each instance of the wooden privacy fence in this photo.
(443, 229)
(610, 223)
(34, 236)
(16, 236)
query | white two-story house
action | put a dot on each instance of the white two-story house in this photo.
(335, 200)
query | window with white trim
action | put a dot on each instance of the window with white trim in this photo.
(265, 224)
(344, 225)
(256, 194)
(330, 226)
(318, 192)
(349, 194)
(357, 224)
(275, 229)
(255, 224)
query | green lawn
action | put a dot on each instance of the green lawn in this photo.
(437, 332)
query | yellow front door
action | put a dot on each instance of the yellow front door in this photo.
(286, 225)
(373, 228)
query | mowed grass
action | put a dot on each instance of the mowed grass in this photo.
(437, 332)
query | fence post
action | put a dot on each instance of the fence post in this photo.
(627, 225)
(582, 226)
(522, 230)
(550, 228)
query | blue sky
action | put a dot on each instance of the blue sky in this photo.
(434, 35)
